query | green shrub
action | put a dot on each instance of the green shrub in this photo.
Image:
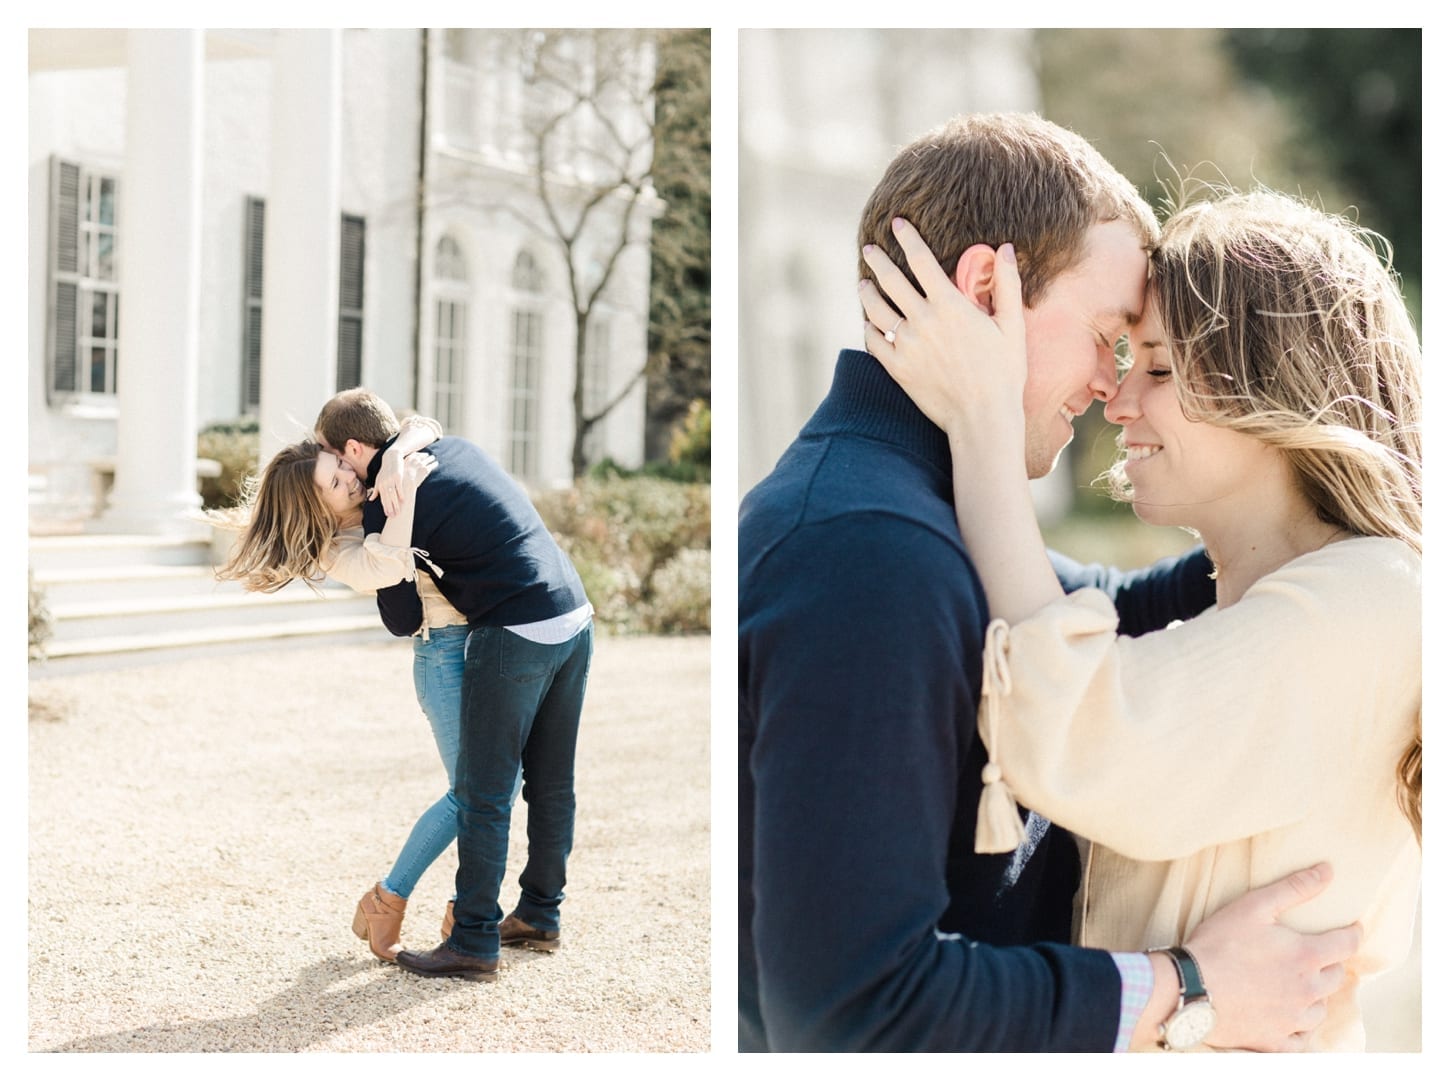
(42, 626)
(236, 444)
(621, 532)
(681, 595)
(690, 442)
(689, 460)
(679, 472)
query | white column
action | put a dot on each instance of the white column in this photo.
(160, 274)
(300, 260)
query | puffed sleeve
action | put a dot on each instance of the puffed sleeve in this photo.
(1232, 724)
(367, 564)
(416, 421)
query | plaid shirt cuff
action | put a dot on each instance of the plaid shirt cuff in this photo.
(1137, 975)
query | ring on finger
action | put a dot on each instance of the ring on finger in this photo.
(890, 335)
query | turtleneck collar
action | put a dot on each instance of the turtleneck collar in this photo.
(864, 400)
(377, 463)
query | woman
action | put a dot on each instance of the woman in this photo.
(1272, 406)
(304, 520)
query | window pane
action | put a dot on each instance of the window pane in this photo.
(98, 369)
(98, 315)
(105, 257)
(106, 210)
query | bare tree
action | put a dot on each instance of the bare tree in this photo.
(589, 124)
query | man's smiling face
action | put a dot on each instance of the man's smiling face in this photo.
(1071, 336)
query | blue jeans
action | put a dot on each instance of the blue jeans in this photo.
(521, 706)
(438, 679)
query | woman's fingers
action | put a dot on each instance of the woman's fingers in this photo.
(881, 314)
(934, 281)
(1007, 295)
(893, 283)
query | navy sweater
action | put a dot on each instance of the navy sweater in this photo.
(861, 621)
(501, 565)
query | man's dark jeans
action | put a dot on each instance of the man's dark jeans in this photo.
(521, 706)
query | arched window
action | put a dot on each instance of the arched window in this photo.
(450, 333)
(527, 356)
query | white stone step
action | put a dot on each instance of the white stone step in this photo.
(91, 551)
(204, 614)
(93, 655)
(259, 632)
(114, 596)
(115, 583)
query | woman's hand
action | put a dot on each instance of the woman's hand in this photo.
(961, 364)
(399, 477)
(389, 486)
(415, 467)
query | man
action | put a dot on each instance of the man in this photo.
(867, 920)
(526, 665)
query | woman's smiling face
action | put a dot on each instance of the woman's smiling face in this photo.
(1183, 472)
(341, 488)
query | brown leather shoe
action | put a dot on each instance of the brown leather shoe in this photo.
(448, 921)
(379, 920)
(513, 931)
(444, 960)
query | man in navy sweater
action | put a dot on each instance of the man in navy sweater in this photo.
(526, 664)
(867, 920)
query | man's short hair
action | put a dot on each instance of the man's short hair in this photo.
(995, 178)
(356, 414)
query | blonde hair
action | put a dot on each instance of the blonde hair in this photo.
(288, 529)
(990, 178)
(1285, 323)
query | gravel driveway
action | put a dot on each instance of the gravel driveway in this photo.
(200, 831)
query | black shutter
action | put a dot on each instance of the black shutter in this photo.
(350, 303)
(252, 306)
(65, 179)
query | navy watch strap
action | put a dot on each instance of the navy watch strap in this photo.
(1190, 979)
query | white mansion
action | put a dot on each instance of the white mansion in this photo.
(235, 223)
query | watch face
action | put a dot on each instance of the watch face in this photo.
(1188, 1027)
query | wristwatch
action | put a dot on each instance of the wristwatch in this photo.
(1191, 1023)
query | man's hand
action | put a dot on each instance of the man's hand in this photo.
(1268, 982)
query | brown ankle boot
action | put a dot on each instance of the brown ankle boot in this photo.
(379, 920)
(448, 921)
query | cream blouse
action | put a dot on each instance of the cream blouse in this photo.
(366, 564)
(1225, 752)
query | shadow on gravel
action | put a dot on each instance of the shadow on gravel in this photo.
(307, 1014)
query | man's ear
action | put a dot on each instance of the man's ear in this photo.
(973, 277)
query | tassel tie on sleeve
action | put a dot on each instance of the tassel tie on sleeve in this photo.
(999, 828)
(437, 573)
(421, 554)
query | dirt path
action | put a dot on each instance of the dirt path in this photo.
(201, 830)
